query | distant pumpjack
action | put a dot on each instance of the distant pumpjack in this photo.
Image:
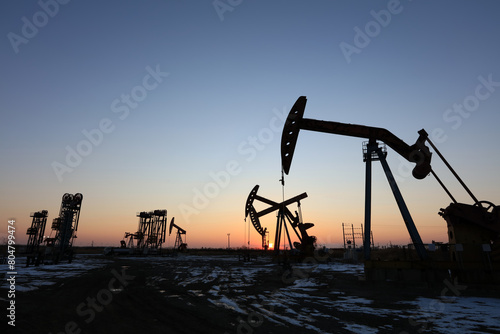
(157, 230)
(151, 232)
(65, 226)
(306, 244)
(35, 237)
(179, 244)
(250, 210)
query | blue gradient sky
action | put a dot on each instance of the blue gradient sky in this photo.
(234, 71)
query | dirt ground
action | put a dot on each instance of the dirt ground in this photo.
(197, 294)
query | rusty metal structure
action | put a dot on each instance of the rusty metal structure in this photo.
(179, 245)
(150, 235)
(35, 237)
(473, 229)
(65, 226)
(306, 243)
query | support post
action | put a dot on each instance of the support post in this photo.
(277, 237)
(287, 234)
(353, 237)
(410, 225)
(343, 234)
(368, 198)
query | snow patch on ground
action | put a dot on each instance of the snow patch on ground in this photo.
(355, 328)
(227, 303)
(31, 278)
(457, 315)
(306, 302)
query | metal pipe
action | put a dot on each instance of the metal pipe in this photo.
(453, 171)
(444, 187)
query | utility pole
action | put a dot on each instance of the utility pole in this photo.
(228, 244)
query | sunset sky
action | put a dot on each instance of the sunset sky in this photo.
(179, 105)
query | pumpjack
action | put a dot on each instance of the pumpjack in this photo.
(65, 226)
(35, 237)
(306, 243)
(473, 229)
(150, 235)
(179, 244)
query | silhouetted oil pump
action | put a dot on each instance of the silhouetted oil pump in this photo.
(65, 226)
(179, 244)
(35, 237)
(306, 242)
(151, 232)
(473, 230)
(417, 153)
